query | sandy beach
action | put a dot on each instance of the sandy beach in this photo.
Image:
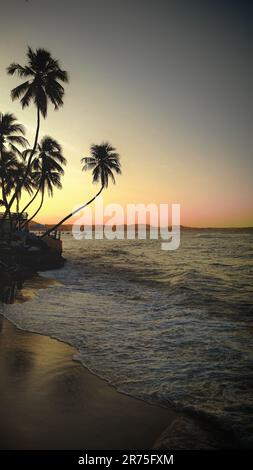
(49, 401)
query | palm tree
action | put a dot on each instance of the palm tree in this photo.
(11, 138)
(47, 169)
(8, 163)
(15, 176)
(11, 133)
(42, 84)
(48, 148)
(25, 156)
(103, 162)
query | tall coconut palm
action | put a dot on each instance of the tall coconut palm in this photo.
(47, 168)
(42, 84)
(11, 139)
(103, 161)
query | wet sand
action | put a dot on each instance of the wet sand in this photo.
(49, 401)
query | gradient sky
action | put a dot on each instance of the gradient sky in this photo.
(168, 83)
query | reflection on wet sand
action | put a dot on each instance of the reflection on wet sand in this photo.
(49, 401)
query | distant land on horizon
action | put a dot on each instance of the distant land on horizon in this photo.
(68, 227)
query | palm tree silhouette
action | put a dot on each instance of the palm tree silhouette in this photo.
(25, 156)
(47, 169)
(7, 165)
(11, 133)
(48, 148)
(11, 138)
(16, 174)
(103, 161)
(43, 76)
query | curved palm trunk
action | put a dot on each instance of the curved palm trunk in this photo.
(71, 214)
(4, 196)
(19, 186)
(17, 211)
(17, 205)
(35, 213)
(30, 202)
(2, 177)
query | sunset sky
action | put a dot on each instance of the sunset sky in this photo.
(168, 83)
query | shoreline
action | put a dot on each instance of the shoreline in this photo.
(50, 401)
(29, 415)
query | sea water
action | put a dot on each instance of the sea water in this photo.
(173, 328)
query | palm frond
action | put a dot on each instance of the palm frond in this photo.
(103, 162)
(18, 139)
(19, 90)
(43, 85)
(19, 70)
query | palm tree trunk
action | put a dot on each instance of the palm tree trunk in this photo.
(71, 214)
(4, 196)
(40, 206)
(30, 202)
(19, 186)
(17, 211)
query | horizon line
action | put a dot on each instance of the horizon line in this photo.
(187, 227)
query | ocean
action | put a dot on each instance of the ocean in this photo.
(172, 328)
